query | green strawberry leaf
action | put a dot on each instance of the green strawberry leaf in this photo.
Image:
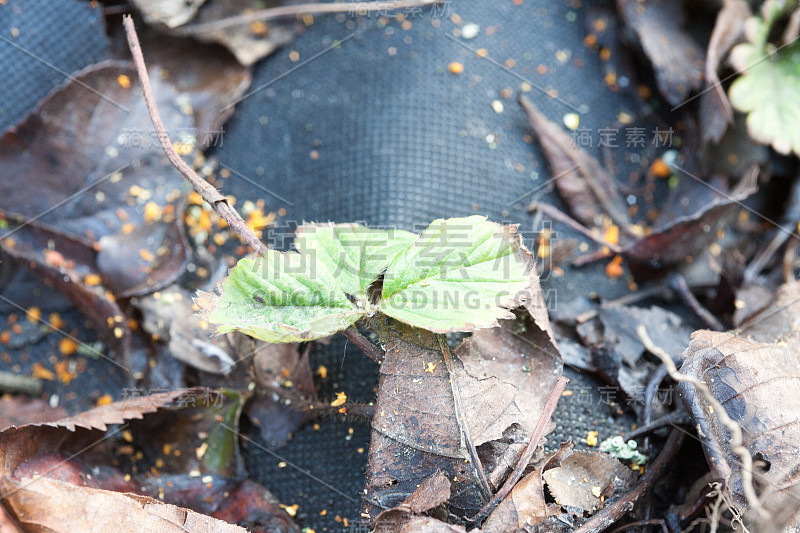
(458, 276)
(280, 297)
(768, 89)
(354, 254)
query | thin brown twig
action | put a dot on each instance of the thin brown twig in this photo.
(527, 454)
(211, 195)
(612, 513)
(638, 523)
(272, 13)
(677, 282)
(363, 344)
(463, 427)
(560, 216)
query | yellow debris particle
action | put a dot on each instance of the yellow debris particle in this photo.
(612, 234)
(430, 368)
(291, 510)
(257, 221)
(183, 147)
(105, 399)
(455, 67)
(56, 321)
(591, 438)
(147, 255)
(201, 450)
(572, 121)
(660, 169)
(195, 198)
(92, 280)
(63, 371)
(258, 27)
(124, 81)
(341, 398)
(152, 211)
(322, 371)
(34, 314)
(67, 346)
(127, 436)
(597, 491)
(614, 268)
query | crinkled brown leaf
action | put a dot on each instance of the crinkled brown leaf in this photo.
(172, 317)
(42, 504)
(74, 496)
(127, 272)
(170, 13)
(716, 112)
(582, 182)
(676, 58)
(431, 493)
(247, 42)
(526, 361)
(678, 235)
(586, 479)
(426, 524)
(526, 504)
(503, 381)
(755, 375)
(285, 371)
(21, 410)
(65, 261)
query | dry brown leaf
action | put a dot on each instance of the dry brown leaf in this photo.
(431, 493)
(582, 182)
(755, 375)
(716, 112)
(42, 504)
(248, 42)
(21, 410)
(678, 235)
(426, 524)
(586, 479)
(71, 495)
(284, 370)
(415, 432)
(526, 505)
(525, 361)
(170, 13)
(170, 315)
(676, 58)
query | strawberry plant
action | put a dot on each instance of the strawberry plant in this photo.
(460, 274)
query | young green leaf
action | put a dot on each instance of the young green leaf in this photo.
(458, 276)
(355, 254)
(768, 90)
(280, 297)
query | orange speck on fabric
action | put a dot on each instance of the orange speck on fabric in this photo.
(660, 169)
(105, 399)
(455, 67)
(614, 268)
(67, 346)
(39, 371)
